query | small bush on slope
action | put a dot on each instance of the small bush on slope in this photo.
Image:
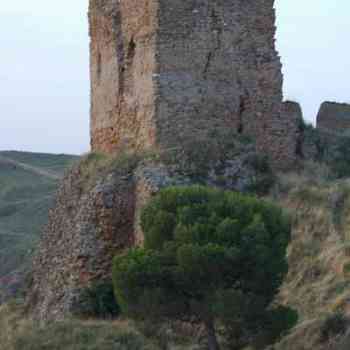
(97, 301)
(329, 148)
(333, 326)
(209, 255)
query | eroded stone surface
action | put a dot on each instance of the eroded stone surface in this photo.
(334, 116)
(85, 230)
(290, 132)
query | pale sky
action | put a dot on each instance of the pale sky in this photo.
(44, 67)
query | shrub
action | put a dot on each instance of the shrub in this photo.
(203, 248)
(334, 325)
(339, 157)
(195, 158)
(264, 177)
(93, 166)
(330, 148)
(97, 301)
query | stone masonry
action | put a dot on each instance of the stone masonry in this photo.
(163, 71)
(334, 116)
(86, 228)
(291, 133)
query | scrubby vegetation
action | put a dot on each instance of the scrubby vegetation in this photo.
(191, 262)
(19, 333)
(212, 256)
(97, 301)
(196, 157)
(331, 149)
(95, 166)
(317, 284)
(221, 158)
(334, 325)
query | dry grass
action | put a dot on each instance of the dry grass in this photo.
(318, 283)
(17, 332)
(94, 166)
(20, 333)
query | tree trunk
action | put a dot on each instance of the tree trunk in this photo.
(211, 335)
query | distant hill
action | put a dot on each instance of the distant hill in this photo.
(28, 182)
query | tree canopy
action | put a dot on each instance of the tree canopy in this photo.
(208, 254)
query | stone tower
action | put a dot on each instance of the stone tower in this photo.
(163, 70)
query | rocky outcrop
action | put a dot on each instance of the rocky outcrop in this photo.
(334, 117)
(85, 229)
(97, 215)
(163, 73)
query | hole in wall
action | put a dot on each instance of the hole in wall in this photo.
(99, 65)
(242, 109)
(131, 50)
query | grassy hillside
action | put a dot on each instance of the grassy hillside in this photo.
(55, 163)
(18, 333)
(27, 185)
(318, 283)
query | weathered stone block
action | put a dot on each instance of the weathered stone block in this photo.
(290, 147)
(334, 116)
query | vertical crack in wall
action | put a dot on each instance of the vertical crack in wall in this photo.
(129, 65)
(207, 64)
(216, 28)
(242, 108)
(131, 50)
(99, 66)
(120, 51)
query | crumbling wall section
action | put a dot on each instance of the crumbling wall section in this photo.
(334, 117)
(86, 228)
(288, 131)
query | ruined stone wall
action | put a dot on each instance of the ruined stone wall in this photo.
(165, 71)
(86, 228)
(289, 135)
(334, 117)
